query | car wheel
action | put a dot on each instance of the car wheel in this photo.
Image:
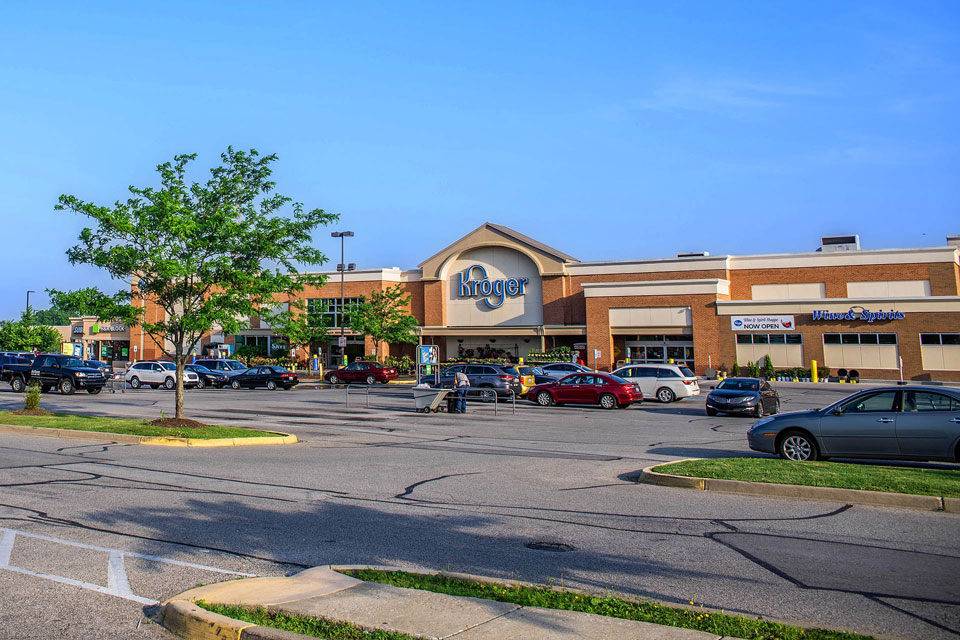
(608, 401)
(665, 394)
(200, 383)
(271, 385)
(135, 382)
(169, 383)
(759, 412)
(235, 384)
(334, 379)
(371, 379)
(711, 412)
(66, 386)
(16, 383)
(797, 446)
(94, 391)
(544, 399)
(488, 395)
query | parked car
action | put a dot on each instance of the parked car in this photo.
(155, 373)
(269, 376)
(369, 372)
(910, 423)
(532, 376)
(14, 359)
(104, 368)
(561, 369)
(607, 390)
(207, 378)
(54, 370)
(743, 395)
(227, 367)
(665, 382)
(487, 381)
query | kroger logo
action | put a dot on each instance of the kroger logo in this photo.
(738, 323)
(495, 289)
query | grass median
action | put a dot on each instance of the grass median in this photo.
(840, 475)
(100, 424)
(699, 618)
(304, 625)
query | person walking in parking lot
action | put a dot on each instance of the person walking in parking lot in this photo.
(462, 383)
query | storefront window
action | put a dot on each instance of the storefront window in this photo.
(861, 350)
(940, 351)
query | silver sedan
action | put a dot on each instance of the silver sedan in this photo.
(910, 423)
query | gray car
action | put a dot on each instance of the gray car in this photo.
(560, 369)
(486, 380)
(910, 423)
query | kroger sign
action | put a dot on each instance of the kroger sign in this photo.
(498, 290)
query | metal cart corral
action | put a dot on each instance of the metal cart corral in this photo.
(116, 381)
(428, 400)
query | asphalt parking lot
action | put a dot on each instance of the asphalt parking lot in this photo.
(385, 485)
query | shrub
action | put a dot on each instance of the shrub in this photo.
(736, 370)
(32, 400)
(768, 371)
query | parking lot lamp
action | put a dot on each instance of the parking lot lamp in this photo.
(29, 291)
(342, 268)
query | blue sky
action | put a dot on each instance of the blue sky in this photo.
(609, 130)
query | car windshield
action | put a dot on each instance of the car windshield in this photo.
(235, 365)
(618, 379)
(96, 363)
(198, 368)
(71, 362)
(510, 371)
(280, 370)
(733, 384)
(687, 372)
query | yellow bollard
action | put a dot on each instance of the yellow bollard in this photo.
(813, 370)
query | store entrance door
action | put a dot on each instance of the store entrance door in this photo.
(644, 349)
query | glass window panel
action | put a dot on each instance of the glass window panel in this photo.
(831, 338)
(925, 401)
(849, 338)
(887, 338)
(950, 338)
(744, 338)
(794, 338)
(929, 338)
(778, 338)
(868, 338)
(878, 402)
(761, 338)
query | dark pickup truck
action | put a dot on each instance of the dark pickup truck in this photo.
(66, 373)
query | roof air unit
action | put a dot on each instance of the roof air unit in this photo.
(829, 244)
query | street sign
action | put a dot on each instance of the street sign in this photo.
(342, 341)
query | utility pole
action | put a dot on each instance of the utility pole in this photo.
(342, 268)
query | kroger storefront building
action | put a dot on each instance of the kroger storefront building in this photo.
(498, 292)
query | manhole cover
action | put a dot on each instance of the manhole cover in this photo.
(550, 546)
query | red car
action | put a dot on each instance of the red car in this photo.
(603, 389)
(369, 372)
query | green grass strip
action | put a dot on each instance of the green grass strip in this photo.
(315, 627)
(721, 624)
(924, 482)
(125, 426)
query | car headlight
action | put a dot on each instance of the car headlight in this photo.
(80, 374)
(746, 399)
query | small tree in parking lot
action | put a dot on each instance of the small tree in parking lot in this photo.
(736, 370)
(768, 371)
(207, 254)
(385, 317)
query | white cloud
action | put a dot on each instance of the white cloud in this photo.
(718, 93)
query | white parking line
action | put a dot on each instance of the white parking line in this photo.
(117, 583)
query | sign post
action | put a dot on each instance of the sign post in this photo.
(428, 357)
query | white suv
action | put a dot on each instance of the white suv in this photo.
(665, 382)
(156, 373)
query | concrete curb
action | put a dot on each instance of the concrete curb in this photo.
(158, 441)
(802, 492)
(181, 616)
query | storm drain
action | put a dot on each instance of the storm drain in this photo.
(557, 547)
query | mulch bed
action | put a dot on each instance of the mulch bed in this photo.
(178, 423)
(31, 412)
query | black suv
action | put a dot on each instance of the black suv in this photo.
(227, 367)
(486, 380)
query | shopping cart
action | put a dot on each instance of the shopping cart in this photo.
(427, 400)
(116, 381)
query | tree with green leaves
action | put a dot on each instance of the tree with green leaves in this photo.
(385, 317)
(209, 254)
(297, 327)
(768, 371)
(26, 334)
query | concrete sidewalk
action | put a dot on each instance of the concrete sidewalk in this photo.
(321, 592)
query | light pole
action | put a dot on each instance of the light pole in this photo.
(29, 291)
(342, 268)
